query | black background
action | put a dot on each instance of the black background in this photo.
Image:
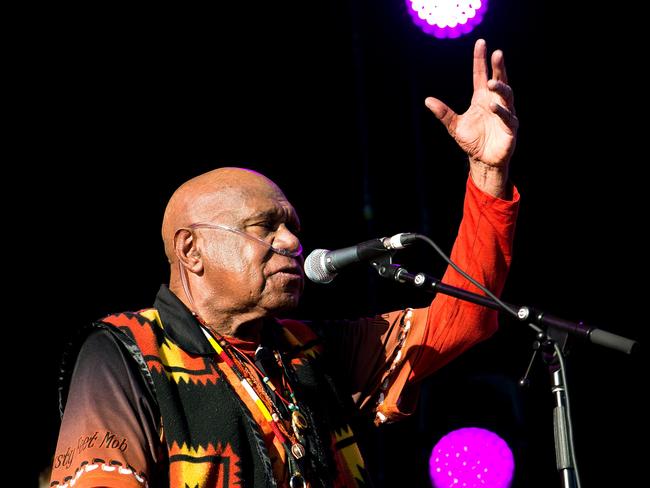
(119, 107)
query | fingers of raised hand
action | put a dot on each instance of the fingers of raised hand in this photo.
(508, 117)
(499, 66)
(479, 72)
(504, 92)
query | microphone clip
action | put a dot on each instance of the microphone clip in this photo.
(386, 268)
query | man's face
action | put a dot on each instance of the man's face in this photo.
(245, 274)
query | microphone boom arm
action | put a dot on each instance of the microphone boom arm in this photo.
(395, 272)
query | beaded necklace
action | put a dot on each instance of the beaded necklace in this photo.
(262, 395)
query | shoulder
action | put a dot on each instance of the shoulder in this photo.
(98, 343)
(102, 361)
(94, 363)
(103, 346)
(140, 328)
(106, 348)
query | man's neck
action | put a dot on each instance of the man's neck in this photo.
(247, 331)
(240, 324)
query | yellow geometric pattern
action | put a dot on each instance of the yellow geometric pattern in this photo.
(350, 453)
(171, 355)
(209, 466)
(152, 314)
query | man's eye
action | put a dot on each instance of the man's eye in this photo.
(265, 225)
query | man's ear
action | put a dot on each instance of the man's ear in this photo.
(186, 252)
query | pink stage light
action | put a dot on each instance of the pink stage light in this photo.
(447, 18)
(471, 458)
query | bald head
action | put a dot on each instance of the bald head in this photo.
(216, 196)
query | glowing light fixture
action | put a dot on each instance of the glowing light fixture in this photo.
(446, 18)
(471, 458)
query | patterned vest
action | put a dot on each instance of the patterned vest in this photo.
(211, 435)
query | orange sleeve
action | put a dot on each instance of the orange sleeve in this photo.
(450, 326)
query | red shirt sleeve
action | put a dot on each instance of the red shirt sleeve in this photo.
(379, 361)
(449, 326)
(110, 432)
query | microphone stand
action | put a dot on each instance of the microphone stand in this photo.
(552, 339)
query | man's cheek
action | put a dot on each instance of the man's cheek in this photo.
(230, 259)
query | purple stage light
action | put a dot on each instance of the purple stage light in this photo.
(471, 458)
(446, 18)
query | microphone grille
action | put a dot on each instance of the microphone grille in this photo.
(315, 268)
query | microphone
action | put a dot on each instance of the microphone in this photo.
(322, 265)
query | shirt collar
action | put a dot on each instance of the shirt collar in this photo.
(179, 323)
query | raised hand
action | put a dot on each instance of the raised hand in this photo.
(487, 131)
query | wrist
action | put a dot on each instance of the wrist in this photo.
(490, 179)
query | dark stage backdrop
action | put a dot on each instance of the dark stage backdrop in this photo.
(326, 98)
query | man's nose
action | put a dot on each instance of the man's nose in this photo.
(285, 239)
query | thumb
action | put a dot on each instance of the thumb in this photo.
(440, 110)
